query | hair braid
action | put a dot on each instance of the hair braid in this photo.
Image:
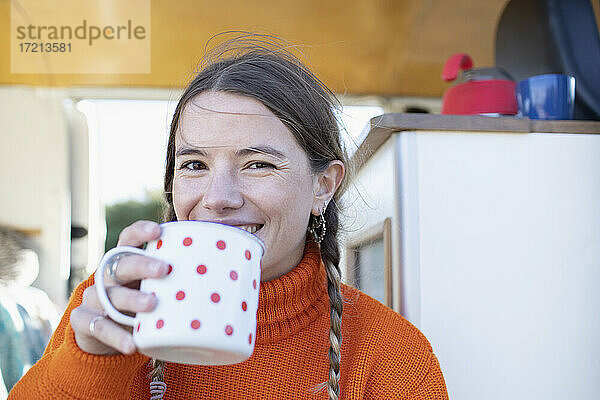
(157, 379)
(331, 258)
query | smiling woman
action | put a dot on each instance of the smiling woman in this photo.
(254, 143)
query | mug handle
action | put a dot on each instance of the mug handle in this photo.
(108, 258)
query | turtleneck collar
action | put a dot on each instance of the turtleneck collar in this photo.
(289, 303)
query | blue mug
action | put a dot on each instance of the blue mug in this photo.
(550, 96)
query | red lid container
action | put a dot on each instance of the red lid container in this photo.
(477, 91)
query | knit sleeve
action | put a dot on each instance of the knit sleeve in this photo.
(67, 372)
(400, 362)
(433, 385)
(390, 381)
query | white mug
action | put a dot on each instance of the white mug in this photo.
(207, 304)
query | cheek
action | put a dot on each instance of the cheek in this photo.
(287, 204)
(185, 196)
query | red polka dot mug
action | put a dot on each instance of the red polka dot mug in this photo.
(206, 312)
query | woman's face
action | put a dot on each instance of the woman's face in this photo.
(236, 163)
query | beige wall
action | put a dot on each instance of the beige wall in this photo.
(384, 47)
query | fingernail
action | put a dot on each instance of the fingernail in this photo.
(153, 300)
(128, 346)
(144, 300)
(149, 228)
(159, 268)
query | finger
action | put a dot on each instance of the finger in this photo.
(137, 267)
(138, 233)
(90, 299)
(125, 299)
(105, 330)
(122, 298)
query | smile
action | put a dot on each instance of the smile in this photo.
(250, 228)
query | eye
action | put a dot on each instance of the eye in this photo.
(195, 165)
(260, 165)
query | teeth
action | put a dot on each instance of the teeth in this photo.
(249, 228)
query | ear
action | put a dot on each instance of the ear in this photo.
(326, 184)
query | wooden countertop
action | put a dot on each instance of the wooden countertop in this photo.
(383, 126)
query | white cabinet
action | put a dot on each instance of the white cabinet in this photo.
(496, 227)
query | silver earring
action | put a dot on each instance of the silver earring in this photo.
(318, 227)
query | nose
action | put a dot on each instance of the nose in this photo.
(222, 194)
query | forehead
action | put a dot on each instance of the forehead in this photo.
(220, 119)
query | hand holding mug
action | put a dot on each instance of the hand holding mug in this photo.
(108, 336)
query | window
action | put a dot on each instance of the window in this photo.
(369, 262)
(369, 273)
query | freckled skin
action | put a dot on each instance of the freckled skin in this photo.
(278, 192)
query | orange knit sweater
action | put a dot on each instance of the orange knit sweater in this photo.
(383, 355)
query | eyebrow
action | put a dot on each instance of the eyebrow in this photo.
(261, 149)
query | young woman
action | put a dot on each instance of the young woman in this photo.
(254, 143)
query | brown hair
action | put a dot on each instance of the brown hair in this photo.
(263, 68)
